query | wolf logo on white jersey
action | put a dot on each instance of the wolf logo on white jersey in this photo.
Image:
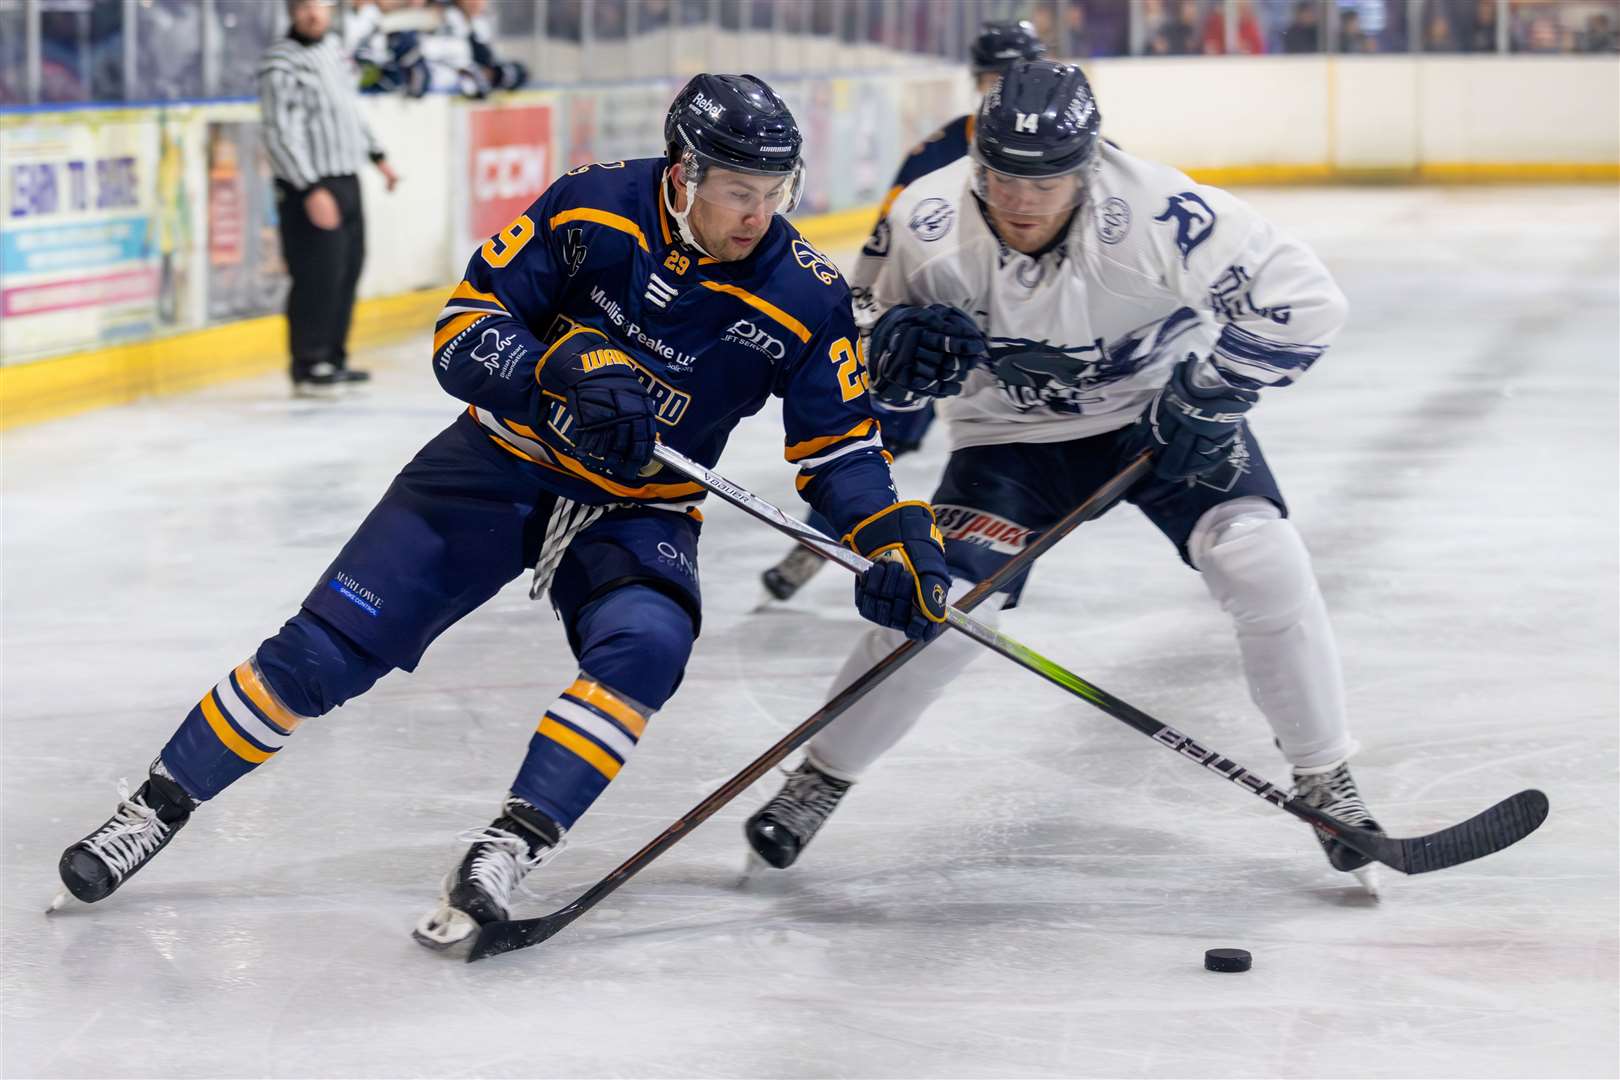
(1153, 267)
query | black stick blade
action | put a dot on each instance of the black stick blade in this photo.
(1504, 824)
(513, 934)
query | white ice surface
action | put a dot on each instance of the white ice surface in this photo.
(1023, 888)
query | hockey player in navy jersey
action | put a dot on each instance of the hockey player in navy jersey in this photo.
(1069, 306)
(634, 301)
(996, 48)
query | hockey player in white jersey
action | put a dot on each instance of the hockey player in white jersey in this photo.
(1069, 305)
(1000, 44)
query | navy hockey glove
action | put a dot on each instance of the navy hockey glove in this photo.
(907, 586)
(1192, 422)
(922, 352)
(614, 426)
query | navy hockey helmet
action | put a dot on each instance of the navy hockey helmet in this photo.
(1001, 44)
(1039, 123)
(736, 123)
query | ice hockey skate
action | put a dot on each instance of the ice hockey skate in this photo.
(783, 827)
(790, 575)
(479, 889)
(141, 826)
(1332, 790)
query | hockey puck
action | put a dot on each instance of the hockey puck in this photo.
(1227, 960)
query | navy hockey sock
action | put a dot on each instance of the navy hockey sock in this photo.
(634, 644)
(305, 670)
(582, 742)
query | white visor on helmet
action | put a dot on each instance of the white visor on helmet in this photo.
(742, 190)
(1029, 196)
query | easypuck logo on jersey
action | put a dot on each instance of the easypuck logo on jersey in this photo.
(932, 219)
(1194, 221)
(744, 332)
(1113, 220)
(970, 526)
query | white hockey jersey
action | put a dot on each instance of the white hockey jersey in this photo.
(1072, 332)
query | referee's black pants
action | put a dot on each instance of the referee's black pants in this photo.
(324, 265)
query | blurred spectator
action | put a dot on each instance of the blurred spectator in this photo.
(565, 19)
(81, 52)
(1352, 38)
(1076, 34)
(381, 36)
(1481, 35)
(1599, 36)
(467, 22)
(1250, 40)
(1378, 26)
(245, 30)
(1097, 28)
(821, 23)
(413, 46)
(652, 15)
(1437, 32)
(13, 55)
(1304, 33)
(1177, 35)
(1045, 23)
(165, 71)
(1537, 28)
(694, 12)
(609, 20)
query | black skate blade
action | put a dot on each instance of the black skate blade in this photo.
(509, 935)
(1487, 832)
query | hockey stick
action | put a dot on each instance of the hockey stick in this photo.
(505, 936)
(1508, 822)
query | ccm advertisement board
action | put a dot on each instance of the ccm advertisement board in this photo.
(511, 158)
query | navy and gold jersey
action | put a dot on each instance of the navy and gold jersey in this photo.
(712, 341)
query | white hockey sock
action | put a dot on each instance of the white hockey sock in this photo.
(1256, 567)
(852, 742)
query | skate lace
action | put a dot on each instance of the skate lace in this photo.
(1335, 793)
(131, 836)
(804, 803)
(504, 860)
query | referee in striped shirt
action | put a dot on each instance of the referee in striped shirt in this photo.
(318, 142)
